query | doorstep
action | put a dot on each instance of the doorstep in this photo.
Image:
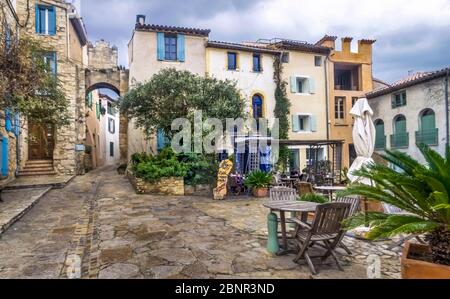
(52, 181)
(16, 203)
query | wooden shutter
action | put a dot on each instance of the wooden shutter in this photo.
(295, 123)
(428, 122)
(52, 20)
(313, 120)
(294, 86)
(17, 124)
(38, 19)
(181, 48)
(161, 48)
(8, 123)
(400, 126)
(312, 85)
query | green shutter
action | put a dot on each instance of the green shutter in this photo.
(428, 122)
(294, 87)
(400, 126)
(295, 123)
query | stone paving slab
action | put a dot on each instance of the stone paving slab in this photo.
(17, 203)
(54, 181)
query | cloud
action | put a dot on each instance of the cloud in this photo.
(411, 34)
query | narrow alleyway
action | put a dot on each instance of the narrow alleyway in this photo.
(100, 224)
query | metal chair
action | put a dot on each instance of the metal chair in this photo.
(326, 228)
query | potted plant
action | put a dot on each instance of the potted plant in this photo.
(259, 181)
(422, 191)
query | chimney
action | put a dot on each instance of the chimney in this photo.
(347, 44)
(140, 19)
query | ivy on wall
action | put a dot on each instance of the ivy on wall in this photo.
(282, 110)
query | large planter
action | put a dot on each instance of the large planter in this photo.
(261, 192)
(165, 186)
(417, 269)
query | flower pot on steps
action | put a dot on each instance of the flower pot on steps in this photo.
(418, 269)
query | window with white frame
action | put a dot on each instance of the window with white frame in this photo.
(304, 123)
(303, 85)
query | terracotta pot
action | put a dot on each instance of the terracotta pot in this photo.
(416, 269)
(261, 192)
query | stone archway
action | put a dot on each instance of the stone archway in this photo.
(115, 79)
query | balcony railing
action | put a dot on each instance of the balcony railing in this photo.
(380, 143)
(428, 137)
(400, 140)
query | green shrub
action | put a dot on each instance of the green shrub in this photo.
(202, 170)
(317, 198)
(258, 179)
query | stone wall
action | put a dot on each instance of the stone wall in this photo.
(102, 55)
(165, 186)
(71, 74)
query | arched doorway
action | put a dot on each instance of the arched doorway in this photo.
(401, 137)
(428, 133)
(380, 141)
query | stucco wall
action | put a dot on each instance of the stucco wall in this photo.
(302, 65)
(429, 95)
(248, 81)
(144, 64)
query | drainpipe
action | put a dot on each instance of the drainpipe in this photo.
(447, 120)
(327, 96)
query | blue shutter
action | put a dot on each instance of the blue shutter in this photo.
(51, 20)
(313, 120)
(42, 21)
(161, 46)
(295, 123)
(161, 140)
(54, 65)
(38, 19)
(17, 124)
(180, 47)
(4, 158)
(294, 87)
(8, 124)
(312, 85)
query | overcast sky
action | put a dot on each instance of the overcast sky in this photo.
(412, 35)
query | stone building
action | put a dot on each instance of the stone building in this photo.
(9, 123)
(58, 25)
(412, 111)
(349, 78)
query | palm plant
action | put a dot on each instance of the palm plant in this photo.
(258, 179)
(422, 191)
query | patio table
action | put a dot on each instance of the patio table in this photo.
(290, 181)
(284, 207)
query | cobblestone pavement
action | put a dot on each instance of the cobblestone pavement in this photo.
(100, 224)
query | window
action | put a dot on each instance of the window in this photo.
(318, 60)
(50, 60)
(399, 99)
(304, 123)
(400, 138)
(303, 85)
(346, 77)
(294, 161)
(257, 63)
(232, 61)
(428, 133)
(111, 125)
(339, 108)
(313, 155)
(8, 37)
(170, 46)
(257, 105)
(45, 20)
(380, 140)
(111, 149)
(111, 110)
(285, 57)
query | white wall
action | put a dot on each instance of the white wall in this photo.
(429, 95)
(107, 137)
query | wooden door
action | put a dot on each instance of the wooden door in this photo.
(41, 141)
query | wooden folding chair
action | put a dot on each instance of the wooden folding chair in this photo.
(326, 228)
(355, 206)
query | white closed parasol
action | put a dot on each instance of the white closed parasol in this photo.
(363, 139)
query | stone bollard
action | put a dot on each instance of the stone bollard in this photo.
(272, 240)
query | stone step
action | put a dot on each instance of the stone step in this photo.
(37, 173)
(37, 166)
(39, 163)
(47, 169)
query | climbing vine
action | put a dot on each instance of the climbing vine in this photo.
(282, 110)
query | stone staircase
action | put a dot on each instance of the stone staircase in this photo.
(38, 168)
